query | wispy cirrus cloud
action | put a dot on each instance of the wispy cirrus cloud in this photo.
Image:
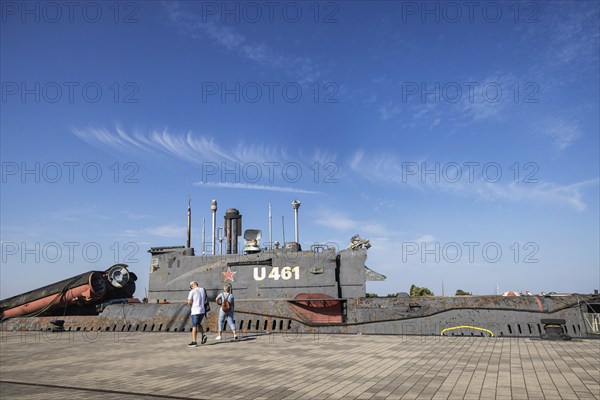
(189, 21)
(340, 221)
(467, 100)
(259, 167)
(388, 169)
(84, 212)
(389, 110)
(425, 238)
(163, 231)
(562, 133)
(542, 192)
(253, 186)
(566, 35)
(136, 216)
(186, 147)
(488, 98)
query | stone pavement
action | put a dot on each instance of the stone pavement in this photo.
(106, 365)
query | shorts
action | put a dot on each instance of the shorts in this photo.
(197, 320)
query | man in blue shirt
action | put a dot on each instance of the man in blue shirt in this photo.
(196, 300)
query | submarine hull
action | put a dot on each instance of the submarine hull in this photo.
(321, 291)
(475, 316)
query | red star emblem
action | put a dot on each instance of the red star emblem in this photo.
(228, 275)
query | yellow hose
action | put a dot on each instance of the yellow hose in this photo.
(467, 327)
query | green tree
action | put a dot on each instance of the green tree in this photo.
(372, 295)
(416, 291)
(460, 292)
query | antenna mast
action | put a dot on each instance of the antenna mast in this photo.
(203, 236)
(270, 228)
(213, 208)
(296, 206)
(189, 224)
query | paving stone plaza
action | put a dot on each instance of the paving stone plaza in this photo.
(112, 365)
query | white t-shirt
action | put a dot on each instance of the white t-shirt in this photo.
(198, 297)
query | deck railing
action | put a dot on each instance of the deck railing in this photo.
(592, 322)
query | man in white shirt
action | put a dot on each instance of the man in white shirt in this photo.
(197, 299)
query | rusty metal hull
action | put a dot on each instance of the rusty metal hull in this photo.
(494, 315)
(78, 294)
(85, 293)
(298, 292)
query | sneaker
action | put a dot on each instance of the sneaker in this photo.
(204, 339)
(235, 337)
(193, 344)
(218, 338)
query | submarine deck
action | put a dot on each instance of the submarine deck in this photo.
(103, 365)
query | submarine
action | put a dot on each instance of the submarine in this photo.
(282, 288)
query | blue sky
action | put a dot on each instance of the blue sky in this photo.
(463, 142)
